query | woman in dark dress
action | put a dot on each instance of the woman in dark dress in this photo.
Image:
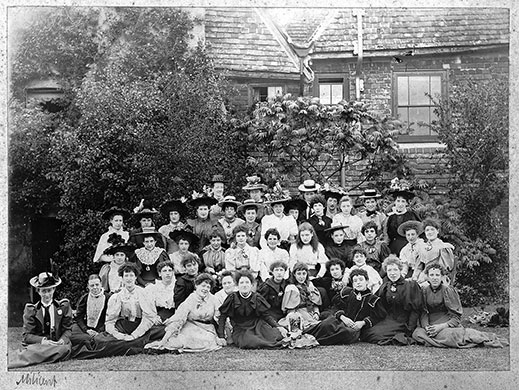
(357, 310)
(331, 283)
(274, 287)
(400, 214)
(147, 257)
(253, 326)
(403, 302)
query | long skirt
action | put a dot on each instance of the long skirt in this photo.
(39, 353)
(193, 337)
(459, 338)
(259, 335)
(388, 331)
(332, 331)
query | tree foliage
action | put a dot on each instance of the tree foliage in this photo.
(146, 118)
(290, 135)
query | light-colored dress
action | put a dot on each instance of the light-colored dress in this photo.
(237, 258)
(192, 326)
(286, 226)
(103, 243)
(228, 227)
(306, 255)
(437, 252)
(267, 256)
(160, 296)
(412, 255)
(130, 306)
(354, 223)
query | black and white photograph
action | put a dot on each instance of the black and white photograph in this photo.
(259, 195)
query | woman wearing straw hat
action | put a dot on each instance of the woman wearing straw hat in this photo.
(256, 189)
(308, 188)
(46, 326)
(116, 216)
(229, 221)
(285, 225)
(370, 213)
(174, 211)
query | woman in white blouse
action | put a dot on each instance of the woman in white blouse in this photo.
(308, 250)
(161, 293)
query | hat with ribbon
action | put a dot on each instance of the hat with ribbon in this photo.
(45, 280)
(370, 193)
(218, 179)
(229, 200)
(144, 210)
(178, 234)
(248, 203)
(334, 228)
(118, 245)
(277, 196)
(254, 183)
(309, 186)
(149, 232)
(410, 225)
(401, 187)
(331, 191)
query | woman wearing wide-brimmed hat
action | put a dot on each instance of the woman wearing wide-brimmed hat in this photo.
(285, 225)
(119, 251)
(401, 192)
(412, 253)
(147, 257)
(296, 208)
(308, 188)
(333, 195)
(116, 216)
(144, 215)
(46, 326)
(175, 211)
(249, 209)
(229, 221)
(256, 189)
(202, 225)
(371, 212)
(187, 243)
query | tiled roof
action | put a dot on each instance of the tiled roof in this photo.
(239, 40)
(401, 28)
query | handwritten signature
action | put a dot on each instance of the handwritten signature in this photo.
(37, 379)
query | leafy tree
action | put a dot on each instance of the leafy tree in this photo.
(146, 118)
(290, 135)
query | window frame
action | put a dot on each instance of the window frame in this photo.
(409, 138)
(252, 86)
(345, 84)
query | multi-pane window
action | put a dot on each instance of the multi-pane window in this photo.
(330, 89)
(263, 93)
(414, 94)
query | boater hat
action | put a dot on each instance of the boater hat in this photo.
(218, 179)
(108, 214)
(370, 194)
(248, 203)
(45, 280)
(308, 186)
(415, 225)
(173, 205)
(229, 201)
(150, 231)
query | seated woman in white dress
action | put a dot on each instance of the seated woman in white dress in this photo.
(192, 327)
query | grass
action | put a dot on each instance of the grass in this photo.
(360, 356)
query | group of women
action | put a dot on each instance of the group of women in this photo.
(292, 273)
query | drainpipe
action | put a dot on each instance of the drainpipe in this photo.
(359, 83)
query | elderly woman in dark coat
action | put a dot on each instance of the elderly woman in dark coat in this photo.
(403, 302)
(253, 326)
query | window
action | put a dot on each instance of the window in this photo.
(330, 88)
(263, 93)
(412, 102)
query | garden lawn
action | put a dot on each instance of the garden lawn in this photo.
(360, 356)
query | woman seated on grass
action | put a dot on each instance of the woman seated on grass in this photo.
(301, 297)
(332, 282)
(440, 322)
(356, 309)
(192, 327)
(273, 288)
(403, 301)
(253, 326)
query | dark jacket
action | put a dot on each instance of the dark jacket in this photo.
(33, 322)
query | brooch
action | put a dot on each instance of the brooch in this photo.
(393, 288)
(147, 268)
(60, 312)
(359, 296)
(428, 246)
(280, 293)
(371, 250)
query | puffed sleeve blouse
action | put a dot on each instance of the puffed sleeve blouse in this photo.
(194, 308)
(442, 305)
